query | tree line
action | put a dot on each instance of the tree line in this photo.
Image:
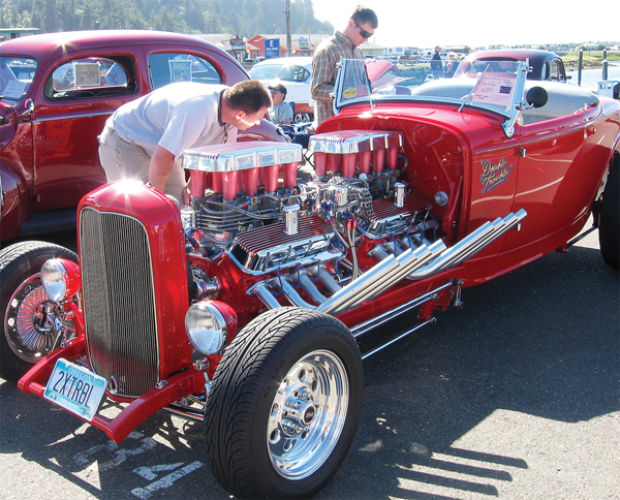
(243, 17)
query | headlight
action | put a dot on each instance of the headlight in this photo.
(206, 327)
(54, 277)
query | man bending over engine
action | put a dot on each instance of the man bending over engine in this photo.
(144, 139)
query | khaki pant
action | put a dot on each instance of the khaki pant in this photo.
(123, 160)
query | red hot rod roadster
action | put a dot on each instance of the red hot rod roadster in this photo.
(246, 308)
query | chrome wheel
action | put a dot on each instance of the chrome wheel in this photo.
(284, 404)
(307, 414)
(27, 322)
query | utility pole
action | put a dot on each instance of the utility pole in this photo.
(289, 43)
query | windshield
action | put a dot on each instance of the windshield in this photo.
(497, 86)
(16, 74)
(290, 73)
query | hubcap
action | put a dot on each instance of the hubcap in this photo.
(27, 325)
(307, 414)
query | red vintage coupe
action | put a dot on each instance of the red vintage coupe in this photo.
(56, 91)
(247, 308)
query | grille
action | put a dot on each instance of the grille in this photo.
(119, 304)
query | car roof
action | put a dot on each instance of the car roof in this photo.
(69, 41)
(518, 54)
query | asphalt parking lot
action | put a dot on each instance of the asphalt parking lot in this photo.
(517, 395)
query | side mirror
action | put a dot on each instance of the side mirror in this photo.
(537, 97)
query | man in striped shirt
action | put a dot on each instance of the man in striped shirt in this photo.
(343, 45)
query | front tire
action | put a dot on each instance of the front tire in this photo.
(609, 218)
(284, 405)
(25, 331)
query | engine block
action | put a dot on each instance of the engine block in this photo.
(250, 202)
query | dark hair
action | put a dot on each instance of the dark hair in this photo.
(363, 15)
(278, 88)
(248, 96)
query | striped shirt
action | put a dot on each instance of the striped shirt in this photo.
(324, 71)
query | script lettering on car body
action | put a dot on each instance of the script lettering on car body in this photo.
(494, 174)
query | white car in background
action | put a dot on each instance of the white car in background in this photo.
(295, 73)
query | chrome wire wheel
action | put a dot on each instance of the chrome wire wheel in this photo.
(307, 414)
(29, 320)
(27, 325)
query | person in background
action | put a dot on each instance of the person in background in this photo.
(451, 65)
(281, 111)
(436, 64)
(343, 45)
(145, 138)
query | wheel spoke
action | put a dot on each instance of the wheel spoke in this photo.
(26, 324)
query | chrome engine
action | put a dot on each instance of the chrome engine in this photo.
(252, 200)
(337, 234)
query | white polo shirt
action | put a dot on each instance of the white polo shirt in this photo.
(176, 117)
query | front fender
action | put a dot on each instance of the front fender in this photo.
(14, 203)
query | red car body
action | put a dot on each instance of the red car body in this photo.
(48, 153)
(414, 198)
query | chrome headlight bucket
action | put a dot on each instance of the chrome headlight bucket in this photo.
(55, 278)
(60, 278)
(207, 324)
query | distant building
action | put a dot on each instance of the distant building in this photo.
(7, 33)
(303, 45)
(254, 48)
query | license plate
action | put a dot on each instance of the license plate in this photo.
(75, 389)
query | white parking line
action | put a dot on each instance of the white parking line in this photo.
(164, 482)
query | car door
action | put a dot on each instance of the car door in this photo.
(552, 169)
(79, 94)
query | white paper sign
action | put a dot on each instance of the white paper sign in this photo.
(495, 89)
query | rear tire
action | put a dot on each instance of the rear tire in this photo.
(25, 333)
(284, 405)
(609, 218)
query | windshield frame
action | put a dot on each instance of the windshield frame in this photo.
(510, 112)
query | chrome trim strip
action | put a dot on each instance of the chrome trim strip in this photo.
(68, 116)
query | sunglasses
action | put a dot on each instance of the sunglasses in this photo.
(363, 32)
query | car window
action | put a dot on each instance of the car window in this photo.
(266, 72)
(91, 77)
(169, 67)
(556, 71)
(290, 73)
(16, 74)
(294, 74)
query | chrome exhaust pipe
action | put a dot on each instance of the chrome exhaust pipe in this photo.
(261, 290)
(451, 253)
(292, 296)
(357, 286)
(415, 259)
(379, 283)
(328, 282)
(470, 245)
(310, 288)
(509, 222)
(411, 264)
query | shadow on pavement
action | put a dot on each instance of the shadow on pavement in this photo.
(542, 340)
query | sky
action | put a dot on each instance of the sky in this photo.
(478, 23)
